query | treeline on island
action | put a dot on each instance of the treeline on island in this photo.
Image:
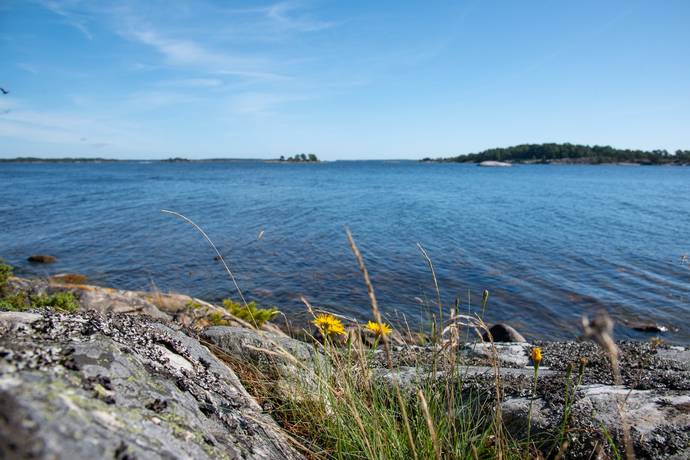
(300, 158)
(571, 153)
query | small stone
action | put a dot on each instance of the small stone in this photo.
(157, 405)
(503, 333)
(648, 327)
(42, 259)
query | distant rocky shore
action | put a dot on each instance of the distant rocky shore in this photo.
(152, 375)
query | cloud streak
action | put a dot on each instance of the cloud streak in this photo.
(71, 18)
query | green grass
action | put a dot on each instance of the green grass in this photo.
(356, 416)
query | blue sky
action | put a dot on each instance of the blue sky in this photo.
(345, 80)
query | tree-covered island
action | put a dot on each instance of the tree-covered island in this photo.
(300, 158)
(571, 154)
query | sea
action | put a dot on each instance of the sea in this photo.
(550, 243)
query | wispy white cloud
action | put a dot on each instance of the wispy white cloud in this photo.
(192, 82)
(67, 11)
(287, 16)
(185, 52)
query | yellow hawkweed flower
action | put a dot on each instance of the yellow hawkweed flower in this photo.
(536, 355)
(328, 324)
(379, 329)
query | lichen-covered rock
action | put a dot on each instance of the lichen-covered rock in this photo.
(87, 385)
(294, 368)
(103, 300)
(188, 311)
(659, 421)
(515, 354)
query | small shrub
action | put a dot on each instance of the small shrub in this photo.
(193, 305)
(5, 273)
(15, 302)
(250, 313)
(61, 301)
(217, 319)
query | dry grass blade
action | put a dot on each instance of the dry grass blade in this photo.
(600, 330)
(386, 345)
(206, 237)
(433, 275)
(430, 424)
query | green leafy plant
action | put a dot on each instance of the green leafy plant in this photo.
(5, 273)
(61, 301)
(14, 302)
(21, 301)
(193, 305)
(250, 313)
(217, 319)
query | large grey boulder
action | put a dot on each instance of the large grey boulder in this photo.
(185, 310)
(293, 369)
(90, 386)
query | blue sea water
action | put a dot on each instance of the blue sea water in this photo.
(549, 242)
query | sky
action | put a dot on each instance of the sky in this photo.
(344, 80)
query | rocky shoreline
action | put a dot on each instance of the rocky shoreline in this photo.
(148, 375)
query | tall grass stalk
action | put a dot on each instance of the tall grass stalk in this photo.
(218, 254)
(438, 291)
(386, 345)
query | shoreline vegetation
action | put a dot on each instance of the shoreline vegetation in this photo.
(567, 153)
(336, 388)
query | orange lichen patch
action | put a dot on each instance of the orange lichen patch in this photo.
(168, 302)
(76, 287)
(69, 278)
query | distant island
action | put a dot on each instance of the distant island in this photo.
(570, 154)
(300, 158)
(57, 160)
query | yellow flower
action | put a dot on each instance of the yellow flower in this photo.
(379, 329)
(328, 324)
(536, 355)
